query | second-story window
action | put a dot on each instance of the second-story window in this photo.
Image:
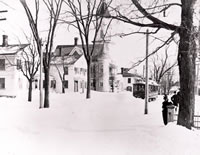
(53, 84)
(66, 70)
(65, 83)
(76, 70)
(2, 64)
(101, 69)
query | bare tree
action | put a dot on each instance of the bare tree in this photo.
(29, 65)
(87, 19)
(187, 46)
(167, 81)
(160, 66)
(54, 9)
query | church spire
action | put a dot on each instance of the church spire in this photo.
(102, 12)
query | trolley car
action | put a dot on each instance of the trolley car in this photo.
(139, 90)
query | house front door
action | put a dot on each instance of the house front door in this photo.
(75, 86)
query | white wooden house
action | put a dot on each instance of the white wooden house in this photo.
(103, 70)
(68, 62)
(11, 78)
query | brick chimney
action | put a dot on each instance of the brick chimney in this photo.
(5, 40)
(124, 70)
(76, 41)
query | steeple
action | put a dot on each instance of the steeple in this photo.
(104, 12)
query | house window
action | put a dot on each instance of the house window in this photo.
(76, 70)
(129, 80)
(53, 84)
(101, 69)
(93, 69)
(81, 70)
(19, 64)
(65, 84)
(2, 64)
(2, 83)
(66, 70)
(84, 72)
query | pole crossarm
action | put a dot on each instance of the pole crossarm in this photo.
(3, 11)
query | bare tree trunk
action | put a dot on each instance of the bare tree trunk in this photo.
(88, 93)
(63, 88)
(46, 88)
(186, 60)
(30, 91)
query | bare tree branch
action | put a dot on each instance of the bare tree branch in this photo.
(170, 39)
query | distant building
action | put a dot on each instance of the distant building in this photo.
(11, 78)
(129, 78)
(103, 70)
(68, 62)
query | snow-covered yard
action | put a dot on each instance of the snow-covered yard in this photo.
(107, 124)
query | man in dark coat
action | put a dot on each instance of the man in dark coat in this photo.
(175, 100)
(164, 109)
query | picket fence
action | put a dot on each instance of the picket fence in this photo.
(196, 120)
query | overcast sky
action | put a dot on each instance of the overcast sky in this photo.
(123, 50)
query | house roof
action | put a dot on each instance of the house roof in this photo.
(126, 74)
(64, 50)
(11, 49)
(70, 53)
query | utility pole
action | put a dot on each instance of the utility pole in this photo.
(3, 11)
(198, 60)
(197, 77)
(143, 72)
(147, 77)
(41, 68)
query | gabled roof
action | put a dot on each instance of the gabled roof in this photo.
(11, 49)
(64, 50)
(69, 53)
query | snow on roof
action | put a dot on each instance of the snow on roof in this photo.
(151, 82)
(11, 49)
(63, 50)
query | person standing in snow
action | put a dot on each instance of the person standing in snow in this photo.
(164, 108)
(174, 99)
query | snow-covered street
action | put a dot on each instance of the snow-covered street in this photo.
(107, 124)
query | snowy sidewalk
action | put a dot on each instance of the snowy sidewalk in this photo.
(107, 124)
